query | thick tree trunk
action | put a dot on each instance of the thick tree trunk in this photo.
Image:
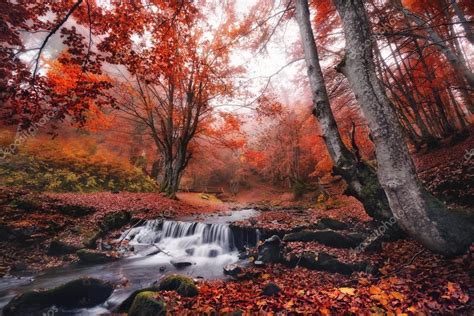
(170, 182)
(417, 212)
(361, 178)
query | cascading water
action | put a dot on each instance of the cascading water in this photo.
(192, 242)
(157, 245)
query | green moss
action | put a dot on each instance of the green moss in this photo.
(27, 204)
(74, 210)
(73, 174)
(147, 304)
(90, 238)
(299, 189)
(125, 305)
(183, 285)
(115, 220)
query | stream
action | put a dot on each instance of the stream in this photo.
(206, 246)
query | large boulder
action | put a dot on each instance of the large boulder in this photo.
(147, 303)
(94, 257)
(81, 293)
(183, 285)
(270, 250)
(58, 247)
(326, 237)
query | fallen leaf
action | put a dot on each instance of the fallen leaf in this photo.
(347, 290)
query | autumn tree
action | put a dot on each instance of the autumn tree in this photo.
(170, 83)
(417, 212)
(361, 177)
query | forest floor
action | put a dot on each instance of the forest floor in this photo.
(404, 277)
(29, 221)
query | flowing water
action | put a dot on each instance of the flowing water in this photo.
(205, 247)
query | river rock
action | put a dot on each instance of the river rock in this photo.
(93, 257)
(271, 289)
(91, 241)
(213, 253)
(324, 262)
(81, 293)
(58, 247)
(326, 237)
(331, 223)
(180, 264)
(183, 285)
(270, 250)
(232, 269)
(147, 303)
(124, 307)
(74, 210)
(115, 220)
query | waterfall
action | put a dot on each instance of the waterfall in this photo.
(196, 239)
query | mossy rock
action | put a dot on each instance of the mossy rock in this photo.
(92, 257)
(147, 304)
(74, 210)
(326, 237)
(80, 293)
(124, 307)
(27, 204)
(183, 285)
(91, 238)
(333, 223)
(58, 247)
(115, 220)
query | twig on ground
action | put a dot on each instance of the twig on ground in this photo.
(136, 224)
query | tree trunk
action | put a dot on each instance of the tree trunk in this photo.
(467, 26)
(361, 178)
(417, 212)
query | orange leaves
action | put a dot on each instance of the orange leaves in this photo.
(454, 292)
(347, 290)
(65, 77)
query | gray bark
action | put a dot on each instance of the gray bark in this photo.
(467, 26)
(417, 212)
(361, 178)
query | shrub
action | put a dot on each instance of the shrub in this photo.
(73, 166)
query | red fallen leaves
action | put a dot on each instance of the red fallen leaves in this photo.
(343, 208)
(31, 228)
(431, 284)
(146, 205)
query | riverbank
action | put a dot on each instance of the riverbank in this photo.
(31, 222)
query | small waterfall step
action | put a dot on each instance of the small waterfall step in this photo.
(192, 238)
